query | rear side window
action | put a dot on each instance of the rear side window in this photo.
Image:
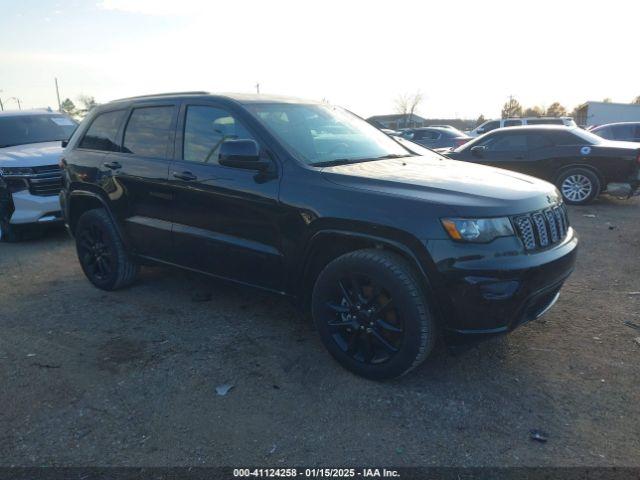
(487, 127)
(604, 133)
(148, 131)
(102, 133)
(512, 123)
(567, 138)
(623, 132)
(545, 121)
(539, 141)
(205, 129)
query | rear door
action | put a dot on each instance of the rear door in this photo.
(141, 171)
(225, 220)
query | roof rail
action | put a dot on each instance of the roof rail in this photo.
(168, 94)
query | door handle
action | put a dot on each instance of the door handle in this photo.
(187, 176)
(112, 165)
(519, 157)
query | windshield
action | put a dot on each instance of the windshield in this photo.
(24, 129)
(321, 135)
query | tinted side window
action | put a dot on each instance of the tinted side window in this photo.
(102, 132)
(205, 129)
(567, 138)
(491, 126)
(508, 143)
(512, 123)
(539, 141)
(432, 135)
(148, 131)
(637, 134)
(605, 133)
(622, 132)
(545, 121)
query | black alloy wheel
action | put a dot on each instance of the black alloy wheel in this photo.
(371, 312)
(102, 254)
(94, 252)
(366, 325)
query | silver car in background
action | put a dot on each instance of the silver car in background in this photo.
(30, 177)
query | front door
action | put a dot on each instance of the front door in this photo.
(507, 151)
(225, 220)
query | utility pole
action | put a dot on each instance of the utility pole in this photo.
(17, 100)
(58, 95)
(258, 88)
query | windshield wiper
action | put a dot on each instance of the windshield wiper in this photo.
(332, 163)
(343, 161)
(392, 155)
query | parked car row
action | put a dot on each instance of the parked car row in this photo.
(581, 164)
(490, 125)
(388, 244)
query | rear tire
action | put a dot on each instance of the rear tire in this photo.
(578, 186)
(372, 314)
(102, 255)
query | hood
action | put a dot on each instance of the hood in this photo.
(467, 187)
(31, 155)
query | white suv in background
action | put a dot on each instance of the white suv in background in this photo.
(518, 122)
(30, 177)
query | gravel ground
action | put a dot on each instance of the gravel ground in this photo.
(129, 378)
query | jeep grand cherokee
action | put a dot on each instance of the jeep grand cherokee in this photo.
(387, 249)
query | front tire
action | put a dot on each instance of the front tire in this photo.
(372, 314)
(9, 233)
(578, 186)
(102, 255)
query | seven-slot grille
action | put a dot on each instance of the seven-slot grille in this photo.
(45, 181)
(542, 228)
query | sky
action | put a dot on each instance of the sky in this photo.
(465, 57)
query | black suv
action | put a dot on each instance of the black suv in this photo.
(384, 247)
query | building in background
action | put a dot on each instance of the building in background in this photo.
(598, 113)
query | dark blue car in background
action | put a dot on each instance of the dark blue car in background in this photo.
(436, 137)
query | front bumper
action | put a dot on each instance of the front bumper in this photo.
(497, 288)
(28, 208)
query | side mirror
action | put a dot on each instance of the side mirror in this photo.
(242, 154)
(64, 143)
(478, 151)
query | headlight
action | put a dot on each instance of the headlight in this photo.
(10, 171)
(478, 230)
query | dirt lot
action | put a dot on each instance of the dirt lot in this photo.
(129, 378)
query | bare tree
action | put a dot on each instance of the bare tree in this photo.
(636, 101)
(533, 112)
(556, 110)
(407, 104)
(511, 108)
(88, 102)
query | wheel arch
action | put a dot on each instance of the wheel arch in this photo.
(81, 201)
(585, 166)
(327, 245)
